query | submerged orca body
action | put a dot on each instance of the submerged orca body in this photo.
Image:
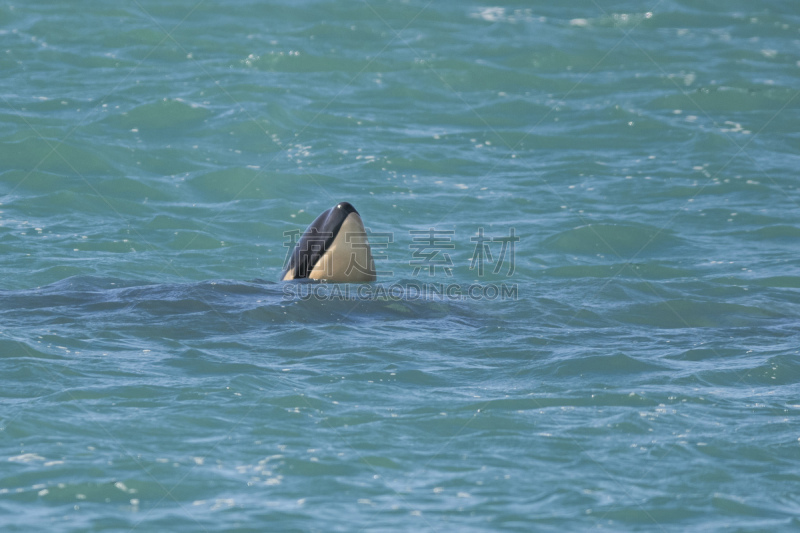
(334, 248)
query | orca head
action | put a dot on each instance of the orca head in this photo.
(334, 248)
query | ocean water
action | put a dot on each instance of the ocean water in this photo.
(633, 366)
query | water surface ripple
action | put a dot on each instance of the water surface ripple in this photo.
(645, 377)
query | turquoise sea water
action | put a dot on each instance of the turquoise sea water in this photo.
(644, 377)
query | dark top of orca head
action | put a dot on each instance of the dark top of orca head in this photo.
(316, 240)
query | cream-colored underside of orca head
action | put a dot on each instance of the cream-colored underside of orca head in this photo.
(348, 259)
